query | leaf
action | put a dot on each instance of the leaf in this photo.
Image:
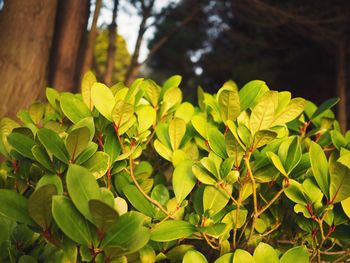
(171, 97)
(82, 187)
(263, 137)
(319, 167)
(194, 256)
(87, 82)
(146, 117)
(324, 106)
(152, 92)
(162, 150)
(98, 164)
(339, 182)
(87, 123)
(183, 180)
(263, 113)
(264, 251)
(185, 112)
(52, 96)
(251, 92)
(294, 108)
(54, 144)
(216, 142)
(215, 230)
(242, 256)
(227, 258)
(202, 175)
(164, 232)
(104, 216)
(229, 102)
(6, 127)
(42, 157)
(36, 112)
(290, 153)
(103, 99)
(295, 192)
(77, 141)
(70, 221)
(138, 201)
(122, 113)
(51, 180)
(277, 162)
(89, 151)
(172, 82)
(177, 130)
(15, 207)
(200, 124)
(22, 144)
(40, 203)
(124, 230)
(73, 108)
(346, 206)
(296, 254)
(215, 198)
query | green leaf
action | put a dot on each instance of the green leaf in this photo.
(138, 201)
(172, 82)
(146, 117)
(185, 112)
(177, 130)
(296, 254)
(202, 175)
(344, 158)
(295, 192)
(294, 108)
(242, 256)
(171, 97)
(98, 164)
(53, 144)
(312, 191)
(122, 113)
(103, 99)
(42, 157)
(77, 141)
(200, 124)
(215, 198)
(104, 216)
(213, 230)
(51, 180)
(6, 127)
(73, 107)
(263, 137)
(216, 142)
(89, 151)
(172, 230)
(52, 96)
(22, 144)
(183, 180)
(82, 187)
(88, 123)
(162, 150)
(251, 93)
(87, 82)
(70, 221)
(229, 102)
(40, 203)
(346, 206)
(15, 207)
(263, 113)
(36, 112)
(227, 258)
(324, 106)
(263, 252)
(290, 153)
(125, 230)
(194, 256)
(277, 162)
(319, 167)
(152, 92)
(339, 182)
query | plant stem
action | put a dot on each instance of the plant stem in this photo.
(155, 202)
(116, 129)
(235, 228)
(209, 242)
(270, 203)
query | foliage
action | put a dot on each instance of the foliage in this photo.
(135, 174)
(122, 56)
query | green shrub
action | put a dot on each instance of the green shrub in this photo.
(136, 175)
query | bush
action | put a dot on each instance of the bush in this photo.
(134, 174)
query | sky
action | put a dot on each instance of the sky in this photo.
(128, 22)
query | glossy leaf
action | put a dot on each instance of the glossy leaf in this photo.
(216, 142)
(104, 216)
(194, 256)
(164, 232)
(22, 144)
(122, 113)
(77, 141)
(242, 256)
(324, 106)
(339, 182)
(73, 108)
(51, 180)
(82, 187)
(146, 117)
(264, 251)
(319, 167)
(137, 200)
(216, 198)
(103, 99)
(294, 108)
(98, 164)
(251, 92)
(294, 191)
(229, 102)
(296, 254)
(177, 130)
(87, 82)
(276, 162)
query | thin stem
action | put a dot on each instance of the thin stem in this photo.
(250, 174)
(209, 242)
(155, 202)
(271, 202)
(116, 129)
(235, 229)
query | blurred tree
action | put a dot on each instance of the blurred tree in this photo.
(25, 37)
(89, 50)
(121, 58)
(112, 34)
(70, 26)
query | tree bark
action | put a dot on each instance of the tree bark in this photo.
(89, 51)
(70, 25)
(25, 37)
(112, 35)
(341, 85)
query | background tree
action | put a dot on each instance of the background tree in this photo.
(25, 37)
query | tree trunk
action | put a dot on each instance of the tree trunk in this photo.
(70, 25)
(341, 85)
(25, 37)
(112, 35)
(89, 51)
